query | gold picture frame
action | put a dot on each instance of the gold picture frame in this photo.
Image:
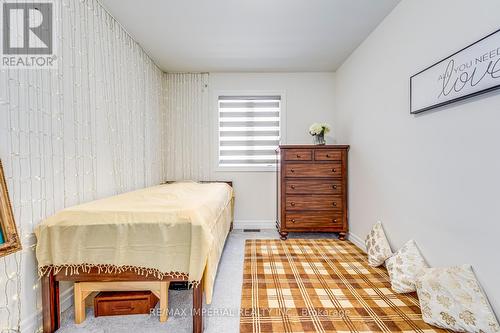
(9, 238)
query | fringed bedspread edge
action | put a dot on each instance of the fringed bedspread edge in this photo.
(76, 269)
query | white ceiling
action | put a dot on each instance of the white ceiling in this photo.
(249, 35)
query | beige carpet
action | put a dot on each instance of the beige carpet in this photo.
(323, 285)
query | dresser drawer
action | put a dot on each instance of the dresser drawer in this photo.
(298, 155)
(114, 303)
(314, 220)
(313, 202)
(327, 155)
(313, 186)
(313, 170)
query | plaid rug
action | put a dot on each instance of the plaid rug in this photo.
(323, 285)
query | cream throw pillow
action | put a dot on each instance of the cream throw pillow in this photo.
(404, 266)
(377, 246)
(452, 298)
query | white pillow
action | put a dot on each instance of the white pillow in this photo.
(452, 298)
(404, 266)
(377, 246)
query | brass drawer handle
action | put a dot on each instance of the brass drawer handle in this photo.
(334, 220)
(293, 187)
(293, 220)
(298, 156)
(334, 187)
(292, 170)
(327, 155)
(292, 203)
(334, 203)
(334, 170)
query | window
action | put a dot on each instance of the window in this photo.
(249, 130)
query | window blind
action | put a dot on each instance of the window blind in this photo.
(249, 130)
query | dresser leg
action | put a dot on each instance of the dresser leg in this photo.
(283, 235)
(342, 235)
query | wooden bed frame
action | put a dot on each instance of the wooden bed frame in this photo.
(51, 307)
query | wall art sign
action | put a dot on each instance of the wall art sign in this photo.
(469, 72)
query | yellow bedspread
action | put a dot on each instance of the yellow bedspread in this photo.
(167, 230)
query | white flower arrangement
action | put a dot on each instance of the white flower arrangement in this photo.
(319, 129)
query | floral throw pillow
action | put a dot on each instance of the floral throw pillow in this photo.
(404, 266)
(452, 298)
(377, 246)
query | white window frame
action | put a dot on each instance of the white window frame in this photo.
(270, 168)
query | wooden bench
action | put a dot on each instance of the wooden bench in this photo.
(83, 289)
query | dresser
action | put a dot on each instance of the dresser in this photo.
(312, 189)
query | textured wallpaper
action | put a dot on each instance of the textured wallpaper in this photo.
(89, 128)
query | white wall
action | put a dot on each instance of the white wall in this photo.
(309, 98)
(433, 177)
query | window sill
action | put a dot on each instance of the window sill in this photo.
(245, 169)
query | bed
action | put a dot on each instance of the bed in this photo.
(171, 232)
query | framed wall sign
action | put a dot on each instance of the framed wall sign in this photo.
(9, 238)
(469, 72)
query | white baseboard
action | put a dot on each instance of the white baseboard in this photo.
(67, 299)
(356, 240)
(34, 322)
(254, 224)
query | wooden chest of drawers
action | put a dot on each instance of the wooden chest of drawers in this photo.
(312, 189)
